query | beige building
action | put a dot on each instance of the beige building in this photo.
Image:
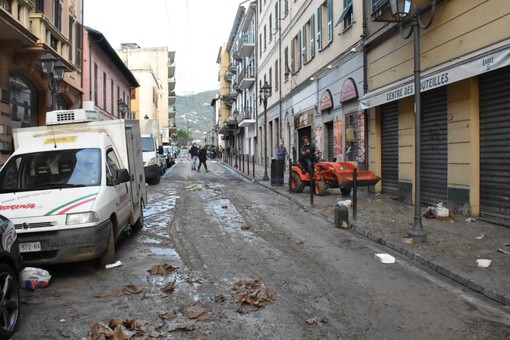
(154, 69)
(30, 29)
(465, 104)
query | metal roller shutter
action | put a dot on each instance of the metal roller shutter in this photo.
(495, 146)
(331, 142)
(434, 147)
(389, 148)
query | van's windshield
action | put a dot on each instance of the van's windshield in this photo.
(51, 170)
(148, 144)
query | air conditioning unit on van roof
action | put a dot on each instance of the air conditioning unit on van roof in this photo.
(59, 117)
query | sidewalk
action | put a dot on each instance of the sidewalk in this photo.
(451, 249)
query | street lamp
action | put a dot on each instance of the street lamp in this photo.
(265, 91)
(400, 9)
(235, 113)
(54, 70)
(122, 107)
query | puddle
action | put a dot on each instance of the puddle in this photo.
(164, 251)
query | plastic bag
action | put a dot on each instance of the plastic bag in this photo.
(33, 278)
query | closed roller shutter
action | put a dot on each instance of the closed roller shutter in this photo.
(434, 147)
(389, 148)
(331, 142)
(495, 146)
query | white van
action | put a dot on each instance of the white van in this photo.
(71, 187)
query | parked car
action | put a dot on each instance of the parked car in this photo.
(168, 154)
(10, 270)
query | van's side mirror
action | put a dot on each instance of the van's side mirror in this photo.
(160, 149)
(122, 176)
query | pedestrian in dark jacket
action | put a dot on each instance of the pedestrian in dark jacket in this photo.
(193, 153)
(202, 158)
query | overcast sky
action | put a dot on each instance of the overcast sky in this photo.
(195, 29)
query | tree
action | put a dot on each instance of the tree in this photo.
(183, 136)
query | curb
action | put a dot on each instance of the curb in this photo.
(474, 286)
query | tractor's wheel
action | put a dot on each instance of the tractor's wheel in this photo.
(346, 191)
(321, 188)
(296, 183)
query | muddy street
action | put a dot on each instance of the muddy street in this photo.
(221, 257)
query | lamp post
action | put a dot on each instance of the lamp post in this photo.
(54, 70)
(235, 113)
(265, 91)
(122, 107)
(400, 9)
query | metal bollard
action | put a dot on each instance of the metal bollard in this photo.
(355, 194)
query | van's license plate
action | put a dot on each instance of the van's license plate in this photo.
(29, 247)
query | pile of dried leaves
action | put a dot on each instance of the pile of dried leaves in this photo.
(254, 293)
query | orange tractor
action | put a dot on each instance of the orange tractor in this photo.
(331, 175)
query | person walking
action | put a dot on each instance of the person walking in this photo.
(193, 152)
(202, 157)
(281, 152)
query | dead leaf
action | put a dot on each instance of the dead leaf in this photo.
(255, 293)
(169, 287)
(219, 298)
(168, 315)
(161, 269)
(313, 321)
(181, 327)
(195, 311)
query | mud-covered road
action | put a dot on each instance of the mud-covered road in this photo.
(221, 257)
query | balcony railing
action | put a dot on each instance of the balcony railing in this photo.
(246, 44)
(6, 4)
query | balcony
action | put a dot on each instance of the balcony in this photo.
(50, 36)
(228, 77)
(246, 44)
(171, 71)
(233, 94)
(13, 29)
(246, 117)
(247, 78)
(171, 98)
(171, 86)
(232, 67)
(171, 114)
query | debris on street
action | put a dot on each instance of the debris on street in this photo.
(123, 330)
(439, 212)
(168, 315)
(195, 311)
(129, 289)
(483, 263)
(33, 278)
(161, 269)
(254, 293)
(113, 265)
(385, 258)
(503, 251)
(480, 237)
(195, 187)
(313, 321)
(169, 287)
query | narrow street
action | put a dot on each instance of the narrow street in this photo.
(221, 257)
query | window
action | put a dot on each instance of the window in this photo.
(276, 15)
(276, 75)
(270, 27)
(39, 6)
(265, 37)
(112, 93)
(23, 105)
(324, 24)
(286, 60)
(71, 35)
(271, 77)
(260, 45)
(57, 14)
(77, 58)
(347, 16)
(96, 83)
(296, 56)
(104, 90)
(308, 50)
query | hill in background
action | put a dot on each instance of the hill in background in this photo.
(195, 113)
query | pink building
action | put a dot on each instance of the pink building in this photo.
(107, 82)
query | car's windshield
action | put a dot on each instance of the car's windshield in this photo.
(51, 170)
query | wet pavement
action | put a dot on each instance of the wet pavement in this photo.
(452, 247)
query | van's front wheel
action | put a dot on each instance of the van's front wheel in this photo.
(109, 253)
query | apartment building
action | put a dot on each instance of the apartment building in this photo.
(31, 30)
(154, 69)
(107, 82)
(463, 125)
